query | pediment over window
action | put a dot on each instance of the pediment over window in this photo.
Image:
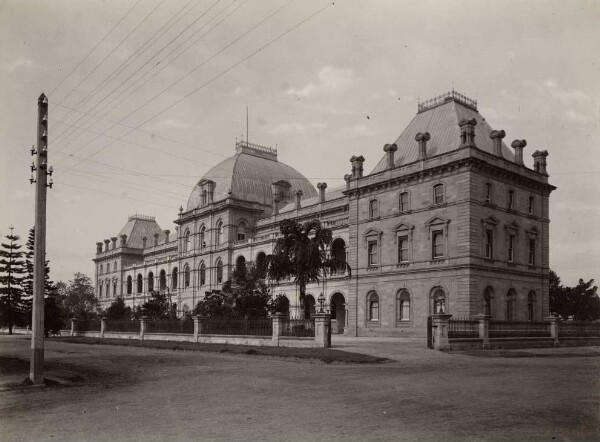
(533, 231)
(372, 232)
(513, 225)
(490, 219)
(403, 226)
(436, 220)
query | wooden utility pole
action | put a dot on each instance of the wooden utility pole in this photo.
(36, 370)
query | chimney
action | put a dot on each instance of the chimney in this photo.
(156, 239)
(99, 247)
(275, 205)
(298, 198)
(114, 242)
(422, 139)
(106, 244)
(390, 149)
(519, 145)
(144, 241)
(539, 161)
(123, 240)
(496, 137)
(167, 233)
(357, 166)
(467, 132)
(347, 178)
(322, 187)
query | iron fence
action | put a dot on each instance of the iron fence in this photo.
(127, 325)
(579, 329)
(515, 329)
(247, 327)
(463, 328)
(185, 327)
(299, 327)
(88, 325)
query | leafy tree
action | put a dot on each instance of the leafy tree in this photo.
(301, 254)
(118, 310)
(12, 267)
(77, 299)
(279, 304)
(580, 302)
(53, 315)
(157, 306)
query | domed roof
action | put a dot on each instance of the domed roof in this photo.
(248, 175)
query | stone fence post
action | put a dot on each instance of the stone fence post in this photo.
(73, 326)
(143, 322)
(278, 324)
(322, 329)
(440, 324)
(196, 327)
(102, 326)
(553, 329)
(203, 324)
(484, 329)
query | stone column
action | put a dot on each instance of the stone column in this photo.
(322, 330)
(102, 326)
(484, 329)
(553, 329)
(143, 327)
(196, 327)
(440, 331)
(73, 326)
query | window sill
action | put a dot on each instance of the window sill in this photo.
(489, 204)
(372, 268)
(511, 264)
(444, 204)
(402, 324)
(488, 260)
(437, 260)
(404, 212)
(373, 324)
(402, 265)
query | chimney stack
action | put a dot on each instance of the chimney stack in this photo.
(519, 145)
(539, 161)
(390, 149)
(144, 241)
(322, 187)
(123, 240)
(422, 139)
(347, 178)
(167, 233)
(114, 242)
(99, 247)
(496, 137)
(106, 245)
(298, 198)
(156, 239)
(357, 166)
(467, 132)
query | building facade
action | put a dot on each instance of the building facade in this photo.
(450, 220)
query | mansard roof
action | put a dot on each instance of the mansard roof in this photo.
(441, 120)
(139, 226)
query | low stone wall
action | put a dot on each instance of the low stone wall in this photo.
(578, 342)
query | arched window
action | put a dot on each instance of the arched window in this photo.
(373, 209)
(241, 231)
(162, 280)
(309, 306)
(438, 194)
(186, 241)
(530, 206)
(115, 266)
(174, 276)
(204, 197)
(100, 290)
(403, 202)
(202, 237)
(338, 253)
(511, 200)
(114, 288)
(150, 282)
(202, 274)
(373, 307)
(240, 266)
(219, 271)
(487, 301)
(107, 282)
(140, 283)
(219, 233)
(261, 265)
(531, 306)
(439, 302)
(510, 305)
(101, 269)
(186, 276)
(488, 193)
(129, 285)
(403, 305)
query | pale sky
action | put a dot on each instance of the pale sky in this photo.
(331, 81)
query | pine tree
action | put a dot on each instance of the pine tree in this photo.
(49, 287)
(11, 267)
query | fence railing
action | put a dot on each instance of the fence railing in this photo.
(463, 328)
(250, 327)
(170, 326)
(88, 325)
(522, 329)
(299, 327)
(583, 329)
(116, 325)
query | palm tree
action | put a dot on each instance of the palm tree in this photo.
(301, 253)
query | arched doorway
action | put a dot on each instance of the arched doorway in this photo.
(240, 268)
(261, 265)
(338, 253)
(438, 301)
(162, 280)
(337, 307)
(309, 306)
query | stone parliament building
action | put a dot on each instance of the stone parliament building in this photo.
(450, 220)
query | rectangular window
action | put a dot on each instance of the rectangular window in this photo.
(241, 236)
(374, 310)
(373, 209)
(438, 194)
(403, 249)
(373, 255)
(488, 193)
(404, 202)
(532, 252)
(530, 208)
(511, 200)
(511, 248)
(437, 244)
(489, 244)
